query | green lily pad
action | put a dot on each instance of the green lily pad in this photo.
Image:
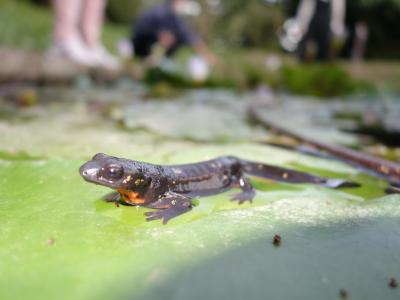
(60, 240)
(200, 116)
(313, 262)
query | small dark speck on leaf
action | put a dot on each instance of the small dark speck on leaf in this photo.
(50, 241)
(116, 203)
(277, 240)
(393, 283)
(343, 293)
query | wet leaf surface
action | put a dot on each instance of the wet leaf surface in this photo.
(60, 240)
(57, 232)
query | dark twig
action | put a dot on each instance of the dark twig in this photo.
(389, 170)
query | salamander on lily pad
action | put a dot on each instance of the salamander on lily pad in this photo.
(169, 189)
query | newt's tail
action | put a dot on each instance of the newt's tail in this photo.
(291, 176)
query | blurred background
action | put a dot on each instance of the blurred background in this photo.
(243, 35)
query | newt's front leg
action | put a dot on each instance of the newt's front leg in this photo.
(169, 206)
(247, 193)
(113, 197)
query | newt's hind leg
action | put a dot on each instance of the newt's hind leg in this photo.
(247, 193)
(169, 206)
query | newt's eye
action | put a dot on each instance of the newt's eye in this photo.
(114, 171)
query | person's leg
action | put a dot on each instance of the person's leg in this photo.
(92, 21)
(91, 27)
(67, 40)
(66, 18)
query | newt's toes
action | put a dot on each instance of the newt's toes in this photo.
(158, 215)
(153, 215)
(241, 198)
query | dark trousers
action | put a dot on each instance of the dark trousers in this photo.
(319, 32)
(143, 46)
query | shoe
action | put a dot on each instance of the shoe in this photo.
(103, 58)
(75, 51)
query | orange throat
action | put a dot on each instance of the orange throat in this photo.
(131, 197)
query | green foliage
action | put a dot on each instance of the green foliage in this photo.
(322, 80)
(249, 23)
(244, 71)
(170, 80)
(17, 29)
(123, 11)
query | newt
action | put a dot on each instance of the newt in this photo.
(169, 189)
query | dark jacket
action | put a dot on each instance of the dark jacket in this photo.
(155, 20)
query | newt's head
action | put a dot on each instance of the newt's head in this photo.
(113, 172)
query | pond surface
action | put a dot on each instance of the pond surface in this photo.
(61, 240)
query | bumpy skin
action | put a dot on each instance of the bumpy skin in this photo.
(169, 189)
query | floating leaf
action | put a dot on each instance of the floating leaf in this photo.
(60, 240)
